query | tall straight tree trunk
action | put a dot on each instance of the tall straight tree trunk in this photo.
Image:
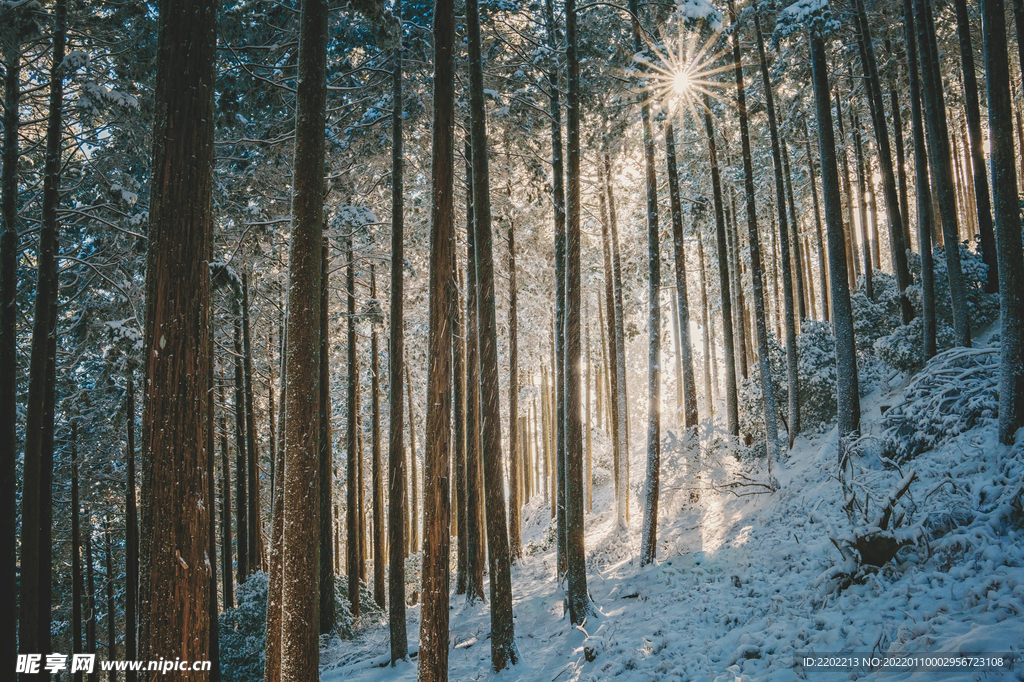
(901, 163)
(613, 373)
(90, 587)
(131, 540)
(108, 556)
(76, 557)
(175, 610)
(37, 476)
(649, 532)
(977, 142)
(414, 514)
(709, 394)
(823, 273)
(352, 479)
(892, 202)
(862, 190)
(433, 652)
(300, 575)
(325, 452)
(460, 429)
(211, 491)
(1011, 258)
(558, 364)
(792, 378)
(767, 390)
(847, 396)
(575, 552)
(503, 647)
(690, 413)
(475, 553)
(514, 473)
(241, 470)
(255, 529)
(272, 662)
(804, 287)
(731, 402)
(621, 395)
(377, 463)
(852, 266)
(941, 168)
(8, 348)
(397, 511)
(227, 576)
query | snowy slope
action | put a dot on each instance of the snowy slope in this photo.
(745, 581)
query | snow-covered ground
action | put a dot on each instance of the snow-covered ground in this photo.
(745, 580)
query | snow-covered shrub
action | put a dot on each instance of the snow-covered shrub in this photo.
(878, 316)
(242, 632)
(955, 391)
(816, 370)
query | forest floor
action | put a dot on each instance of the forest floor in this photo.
(745, 580)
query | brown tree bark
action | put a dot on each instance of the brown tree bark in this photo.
(325, 452)
(399, 643)
(376, 462)
(433, 652)
(300, 574)
(131, 542)
(515, 501)
(37, 474)
(241, 468)
(76, 556)
(503, 648)
(255, 527)
(353, 481)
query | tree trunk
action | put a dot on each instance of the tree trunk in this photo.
(241, 470)
(558, 363)
(649, 531)
(475, 553)
(377, 462)
(941, 169)
(847, 396)
(414, 515)
(272, 663)
(823, 273)
(37, 494)
(300, 575)
(325, 452)
(503, 648)
(781, 172)
(922, 189)
(852, 266)
(1011, 259)
(804, 287)
(575, 553)
(892, 202)
(901, 164)
(767, 390)
(175, 612)
(225, 494)
(613, 373)
(433, 652)
(352, 478)
(399, 640)
(515, 503)
(731, 402)
(9, 355)
(709, 394)
(690, 413)
(90, 622)
(108, 554)
(76, 558)
(977, 149)
(131, 541)
(211, 491)
(865, 238)
(459, 342)
(255, 529)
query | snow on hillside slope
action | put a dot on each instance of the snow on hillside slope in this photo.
(745, 581)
